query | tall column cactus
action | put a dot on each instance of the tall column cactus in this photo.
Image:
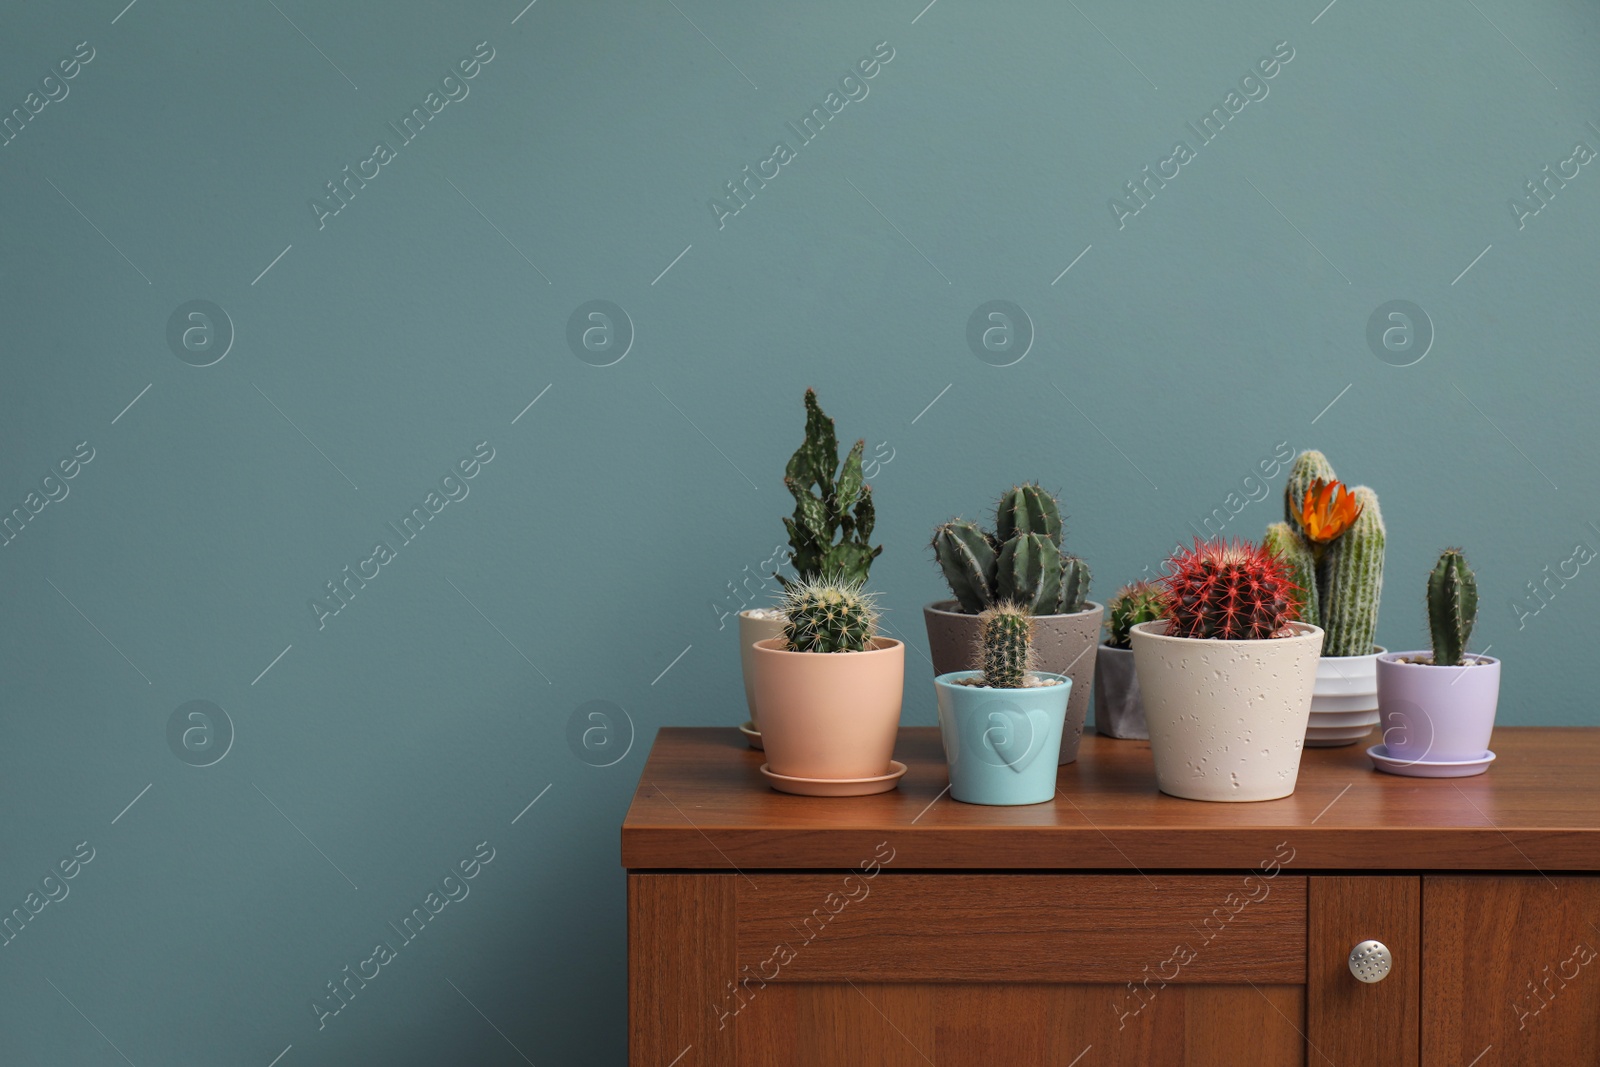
(1309, 466)
(1282, 540)
(1005, 645)
(1452, 607)
(829, 501)
(1352, 579)
(1332, 542)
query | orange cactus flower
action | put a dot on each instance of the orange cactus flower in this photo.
(1328, 510)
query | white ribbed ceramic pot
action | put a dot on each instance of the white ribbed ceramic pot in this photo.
(1344, 704)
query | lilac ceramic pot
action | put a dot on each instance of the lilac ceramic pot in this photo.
(1435, 714)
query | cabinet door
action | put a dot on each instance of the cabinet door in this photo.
(1510, 974)
(1349, 1021)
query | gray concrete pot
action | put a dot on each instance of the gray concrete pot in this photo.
(1118, 711)
(1065, 645)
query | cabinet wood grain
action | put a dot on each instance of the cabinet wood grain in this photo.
(702, 803)
(1511, 966)
(1023, 928)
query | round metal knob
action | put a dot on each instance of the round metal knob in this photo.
(1371, 961)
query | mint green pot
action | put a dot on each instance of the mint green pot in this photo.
(1001, 744)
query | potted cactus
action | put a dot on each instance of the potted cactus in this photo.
(1226, 676)
(1020, 561)
(829, 534)
(1117, 709)
(1001, 724)
(1332, 540)
(1438, 707)
(829, 690)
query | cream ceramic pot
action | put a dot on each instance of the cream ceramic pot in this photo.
(753, 628)
(1227, 719)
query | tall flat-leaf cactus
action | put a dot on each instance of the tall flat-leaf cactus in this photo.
(831, 529)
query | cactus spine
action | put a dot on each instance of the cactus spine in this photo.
(1352, 581)
(1452, 607)
(1021, 561)
(1005, 645)
(829, 501)
(823, 615)
(1132, 604)
(1308, 467)
(1290, 547)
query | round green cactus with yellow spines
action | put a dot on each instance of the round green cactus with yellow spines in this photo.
(828, 615)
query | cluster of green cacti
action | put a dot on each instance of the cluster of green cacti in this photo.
(1132, 604)
(1005, 646)
(829, 502)
(1341, 582)
(1452, 607)
(823, 615)
(1021, 561)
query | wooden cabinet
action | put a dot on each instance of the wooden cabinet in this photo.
(1115, 925)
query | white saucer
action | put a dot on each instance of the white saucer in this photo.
(751, 734)
(1427, 769)
(836, 787)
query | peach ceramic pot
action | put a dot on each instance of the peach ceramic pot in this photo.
(829, 714)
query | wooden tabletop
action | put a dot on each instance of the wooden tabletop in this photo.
(702, 804)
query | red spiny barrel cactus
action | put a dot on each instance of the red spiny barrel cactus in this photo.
(1230, 591)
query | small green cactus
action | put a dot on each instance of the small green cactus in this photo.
(823, 615)
(1021, 561)
(1452, 607)
(1290, 547)
(1308, 467)
(1132, 604)
(1352, 582)
(829, 501)
(1005, 645)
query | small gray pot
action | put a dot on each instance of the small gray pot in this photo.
(1118, 711)
(1065, 644)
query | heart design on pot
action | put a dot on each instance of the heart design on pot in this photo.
(1012, 738)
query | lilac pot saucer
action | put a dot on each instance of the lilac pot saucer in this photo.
(1426, 769)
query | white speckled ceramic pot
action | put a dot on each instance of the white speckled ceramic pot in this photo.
(1227, 719)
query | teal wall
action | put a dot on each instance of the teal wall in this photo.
(407, 734)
